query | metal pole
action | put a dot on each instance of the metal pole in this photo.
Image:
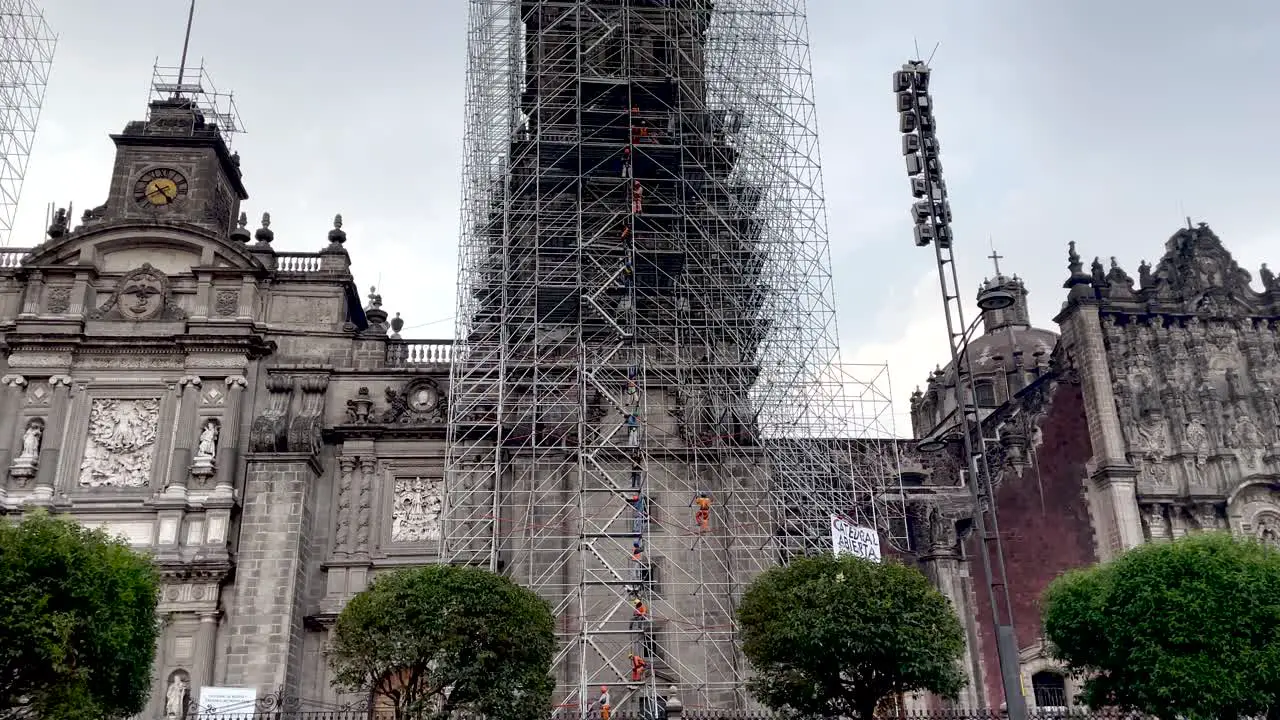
(984, 521)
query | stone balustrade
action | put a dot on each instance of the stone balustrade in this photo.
(12, 257)
(298, 262)
(418, 353)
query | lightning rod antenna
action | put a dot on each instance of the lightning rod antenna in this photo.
(186, 43)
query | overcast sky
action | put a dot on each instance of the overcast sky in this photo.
(1102, 122)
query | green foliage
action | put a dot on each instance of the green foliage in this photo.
(77, 621)
(442, 640)
(831, 636)
(1189, 628)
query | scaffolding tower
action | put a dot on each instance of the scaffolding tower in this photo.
(647, 401)
(26, 57)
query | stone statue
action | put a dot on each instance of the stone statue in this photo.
(31, 440)
(175, 698)
(1144, 275)
(208, 440)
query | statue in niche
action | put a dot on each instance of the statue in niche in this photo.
(31, 440)
(1234, 391)
(175, 698)
(942, 531)
(208, 446)
(1206, 516)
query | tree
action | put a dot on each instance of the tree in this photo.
(1189, 628)
(441, 639)
(832, 636)
(78, 621)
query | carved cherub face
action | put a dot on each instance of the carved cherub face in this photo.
(141, 297)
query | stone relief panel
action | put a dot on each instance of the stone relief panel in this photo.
(226, 303)
(121, 443)
(141, 295)
(1191, 391)
(415, 510)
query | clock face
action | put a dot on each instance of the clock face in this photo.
(160, 187)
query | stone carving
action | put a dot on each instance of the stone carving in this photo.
(1245, 435)
(226, 303)
(57, 299)
(359, 407)
(31, 439)
(1150, 438)
(208, 446)
(304, 434)
(415, 517)
(342, 531)
(1154, 518)
(141, 295)
(1197, 438)
(420, 402)
(1206, 517)
(121, 443)
(175, 698)
(269, 430)
(942, 532)
(23, 467)
(1266, 527)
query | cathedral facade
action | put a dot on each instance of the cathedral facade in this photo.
(1156, 413)
(237, 411)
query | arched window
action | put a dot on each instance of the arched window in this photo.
(1049, 689)
(985, 393)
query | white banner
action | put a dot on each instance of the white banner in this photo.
(228, 702)
(854, 539)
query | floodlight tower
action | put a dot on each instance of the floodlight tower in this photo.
(26, 56)
(932, 214)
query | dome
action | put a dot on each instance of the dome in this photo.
(1005, 357)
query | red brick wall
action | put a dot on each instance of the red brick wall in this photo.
(1044, 525)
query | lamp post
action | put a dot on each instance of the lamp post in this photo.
(932, 215)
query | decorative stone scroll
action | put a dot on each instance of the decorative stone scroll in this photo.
(120, 449)
(415, 514)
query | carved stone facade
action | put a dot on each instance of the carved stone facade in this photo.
(1156, 414)
(166, 373)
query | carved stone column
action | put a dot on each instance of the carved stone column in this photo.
(11, 389)
(364, 516)
(229, 438)
(188, 396)
(204, 653)
(342, 527)
(51, 442)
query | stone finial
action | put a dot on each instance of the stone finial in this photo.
(376, 316)
(337, 236)
(1075, 267)
(264, 235)
(397, 324)
(241, 232)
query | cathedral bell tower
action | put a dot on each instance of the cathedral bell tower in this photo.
(176, 166)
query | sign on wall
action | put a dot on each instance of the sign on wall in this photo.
(854, 539)
(227, 702)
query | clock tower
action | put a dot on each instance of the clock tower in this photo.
(175, 166)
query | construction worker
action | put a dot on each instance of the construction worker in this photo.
(639, 613)
(603, 701)
(637, 550)
(637, 197)
(633, 429)
(637, 523)
(626, 162)
(638, 666)
(702, 516)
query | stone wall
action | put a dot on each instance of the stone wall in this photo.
(1044, 522)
